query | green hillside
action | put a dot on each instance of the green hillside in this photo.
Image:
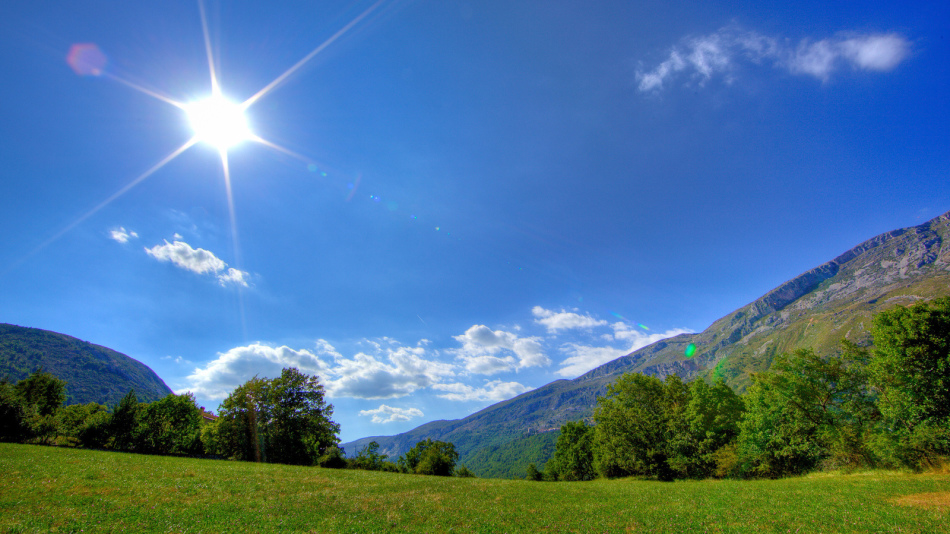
(92, 373)
(817, 309)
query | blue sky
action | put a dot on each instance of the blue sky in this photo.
(466, 200)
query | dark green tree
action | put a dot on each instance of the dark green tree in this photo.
(532, 473)
(573, 454)
(43, 390)
(807, 409)
(281, 420)
(73, 419)
(429, 457)
(14, 415)
(170, 425)
(910, 370)
(709, 422)
(124, 423)
(633, 425)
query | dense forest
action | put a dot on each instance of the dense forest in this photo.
(884, 407)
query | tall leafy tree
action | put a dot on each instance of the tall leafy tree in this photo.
(170, 425)
(633, 425)
(43, 390)
(808, 408)
(124, 423)
(14, 415)
(573, 454)
(709, 422)
(910, 369)
(283, 420)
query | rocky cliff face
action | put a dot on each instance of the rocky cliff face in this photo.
(815, 309)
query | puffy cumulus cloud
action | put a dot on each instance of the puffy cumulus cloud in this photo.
(702, 58)
(122, 235)
(487, 351)
(496, 390)
(583, 358)
(389, 414)
(396, 373)
(219, 377)
(199, 261)
(564, 320)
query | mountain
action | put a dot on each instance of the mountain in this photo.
(92, 373)
(816, 309)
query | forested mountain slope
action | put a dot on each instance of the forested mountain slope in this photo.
(92, 373)
(816, 309)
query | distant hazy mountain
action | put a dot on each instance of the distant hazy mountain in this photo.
(816, 309)
(92, 373)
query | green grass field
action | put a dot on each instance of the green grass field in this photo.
(73, 490)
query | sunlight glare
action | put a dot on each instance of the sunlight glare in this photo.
(219, 122)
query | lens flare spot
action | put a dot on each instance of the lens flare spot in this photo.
(218, 122)
(690, 350)
(86, 59)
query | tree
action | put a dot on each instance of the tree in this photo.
(532, 473)
(74, 418)
(910, 370)
(429, 457)
(808, 408)
(369, 458)
(42, 395)
(14, 425)
(573, 454)
(170, 425)
(282, 420)
(43, 390)
(123, 425)
(632, 425)
(709, 422)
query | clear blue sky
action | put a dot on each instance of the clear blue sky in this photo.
(473, 198)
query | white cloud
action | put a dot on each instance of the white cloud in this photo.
(396, 372)
(230, 369)
(702, 58)
(122, 235)
(496, 391)
(583, 358)
(199, 261)
(481, 347)
(564, 320)
(367, 377)
(389, 414)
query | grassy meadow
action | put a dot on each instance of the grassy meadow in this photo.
(75, 490)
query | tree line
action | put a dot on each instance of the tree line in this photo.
(888, 406)
(280, 420)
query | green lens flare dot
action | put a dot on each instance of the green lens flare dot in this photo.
(690, 350)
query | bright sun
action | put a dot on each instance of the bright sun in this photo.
(218, 122)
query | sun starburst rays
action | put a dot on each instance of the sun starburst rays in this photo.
(216, 121)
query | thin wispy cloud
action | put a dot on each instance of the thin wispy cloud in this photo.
(699, 59)
(495, 391)
(389, 414)
(122, 235)
(197, 260)
(564, 320)
(582, 358)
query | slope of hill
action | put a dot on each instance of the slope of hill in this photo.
(816, 309)
(92, 373)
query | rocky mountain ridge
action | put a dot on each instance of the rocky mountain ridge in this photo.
(816, 309)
